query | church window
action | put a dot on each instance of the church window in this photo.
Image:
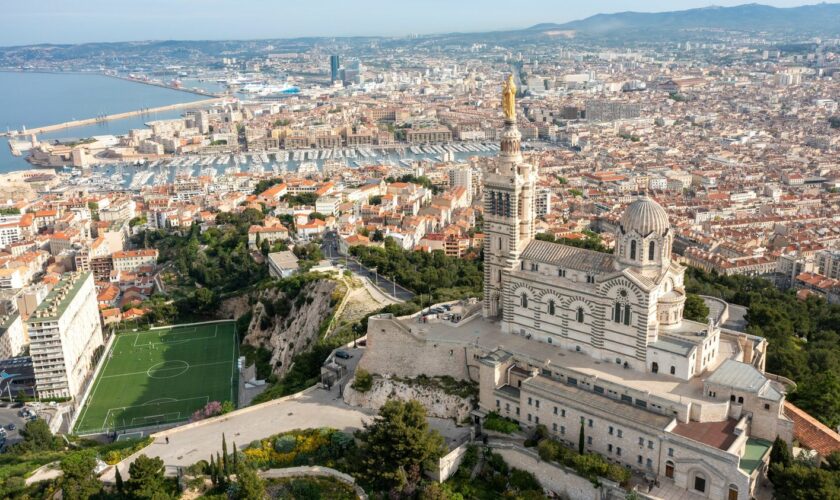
(580, 317)
(617, 313)
(551, 308)
(492, 202)
(626, 314)
(522, 265)
(590, 278)
(652, 250)
(673, 370)
(524, 300)
(507, 204)
(633, 250)
(500, 243)
(561, 273)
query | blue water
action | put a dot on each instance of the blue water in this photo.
(38, 99)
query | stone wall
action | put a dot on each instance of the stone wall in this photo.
(394, 349)
(436, 401)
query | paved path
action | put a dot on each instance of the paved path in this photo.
(190, 443)
(394, 291)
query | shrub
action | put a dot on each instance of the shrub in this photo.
(498, 423)
(523, 480)
(285, 444)
(363, 380)
(211, 409)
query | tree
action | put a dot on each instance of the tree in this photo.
(250, 486)
(819, 395)
(780, 457)
(119, 480)
(37, 437)
(225, 456)
(147, 479)
(695, 308)
(78, 479)
(581, 439)
(397, 443)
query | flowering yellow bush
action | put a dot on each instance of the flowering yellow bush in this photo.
(308, 443)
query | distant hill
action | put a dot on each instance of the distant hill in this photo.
(820, 18)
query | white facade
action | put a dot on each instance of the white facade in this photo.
(64, 332)
(12, 335)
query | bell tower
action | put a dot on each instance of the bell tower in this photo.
(509, 212)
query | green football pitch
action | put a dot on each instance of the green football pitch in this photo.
(162, 376)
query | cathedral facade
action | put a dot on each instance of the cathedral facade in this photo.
(625, 307)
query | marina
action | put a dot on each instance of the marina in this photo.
(306, 162)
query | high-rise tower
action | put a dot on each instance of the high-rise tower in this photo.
(509, 187)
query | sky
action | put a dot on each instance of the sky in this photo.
(78, 21)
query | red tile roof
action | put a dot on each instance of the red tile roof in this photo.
(811, 433)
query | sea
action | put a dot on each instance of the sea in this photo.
(29, 99)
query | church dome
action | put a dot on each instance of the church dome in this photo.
(645, 216)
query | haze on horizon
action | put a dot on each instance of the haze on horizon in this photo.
(60, 21)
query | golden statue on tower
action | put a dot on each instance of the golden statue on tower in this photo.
(509, 99)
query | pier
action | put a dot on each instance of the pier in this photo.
(116, 116)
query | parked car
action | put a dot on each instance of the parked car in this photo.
(11, 427)
(343, 354)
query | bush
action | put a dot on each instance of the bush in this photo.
(363, 380)
(498, 423)
(285, 444)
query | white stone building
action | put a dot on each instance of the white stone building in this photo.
(571, 338)
(64, 333)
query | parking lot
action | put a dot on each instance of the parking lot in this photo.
(11, 415)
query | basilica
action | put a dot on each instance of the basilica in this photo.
(625, 308)
(571, 338)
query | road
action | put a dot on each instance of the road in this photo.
(394, 290)
(312, 408)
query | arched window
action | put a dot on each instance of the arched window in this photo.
(654, 367)
(580, 315)
(617, 313)
(626, 314)
(633, 250)
(524, 300)
(551, 307)
(700, 483)
(652, 250)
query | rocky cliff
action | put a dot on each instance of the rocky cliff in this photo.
(438, 402)
(286, 320)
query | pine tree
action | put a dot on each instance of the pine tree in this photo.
(118, 478)
(235, 466)
(220, 472)
(780, 458)
(213, 478)
(225, 456)
(581, 439)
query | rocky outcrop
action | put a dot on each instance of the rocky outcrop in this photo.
(286, 324)
(437, 402)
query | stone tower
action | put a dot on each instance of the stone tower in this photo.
(509, 213)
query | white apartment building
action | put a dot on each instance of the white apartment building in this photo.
(9, 233)
(12, 335)
(64, 332)
(132, 260)
(828, 263)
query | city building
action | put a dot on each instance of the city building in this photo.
(64, 333)
(335, 66)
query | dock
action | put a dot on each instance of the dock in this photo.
(117, 116)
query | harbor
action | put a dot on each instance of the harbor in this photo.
(305, 162)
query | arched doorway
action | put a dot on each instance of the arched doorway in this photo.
(669, 469)
(733, 492)
(654, 367)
